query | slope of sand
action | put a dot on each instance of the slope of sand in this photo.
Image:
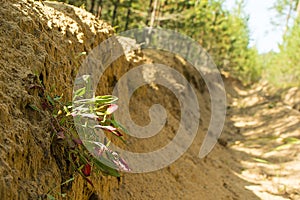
(42, 41)
(189, 177)
(257, 156)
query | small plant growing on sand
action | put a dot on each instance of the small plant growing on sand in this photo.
(89, 152)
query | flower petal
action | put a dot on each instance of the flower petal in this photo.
(108, 128)
(112, 108)
(86, 170)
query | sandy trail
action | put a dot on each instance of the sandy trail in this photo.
(267, 142)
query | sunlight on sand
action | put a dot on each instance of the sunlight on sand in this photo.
(270, 144)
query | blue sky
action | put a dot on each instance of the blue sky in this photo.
(263, 34)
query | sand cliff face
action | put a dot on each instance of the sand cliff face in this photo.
(46, 40)
(42, 40)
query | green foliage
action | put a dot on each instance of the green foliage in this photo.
(223, 34)
(283, 69)
(284, 9)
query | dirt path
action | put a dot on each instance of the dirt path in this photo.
(266, 143)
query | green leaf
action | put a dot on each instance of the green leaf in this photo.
(292, 140)
(66, 110)
(67, 181)
(103, 166)
(50, 100)
(261, 160)
(50, 197)
(105, 99)
(80, 92)
(100, 113)
(32, 106)
(57, 98)
(83, 158)
(118, 125)
(284, 146)
(82, 53)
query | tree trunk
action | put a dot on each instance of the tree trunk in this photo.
(153, 15)
(160, 11)
(116, 4)
(92, 6)
(288, 18)
(99, 9)
(150, 9)
(128, 15)
(298, 8)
